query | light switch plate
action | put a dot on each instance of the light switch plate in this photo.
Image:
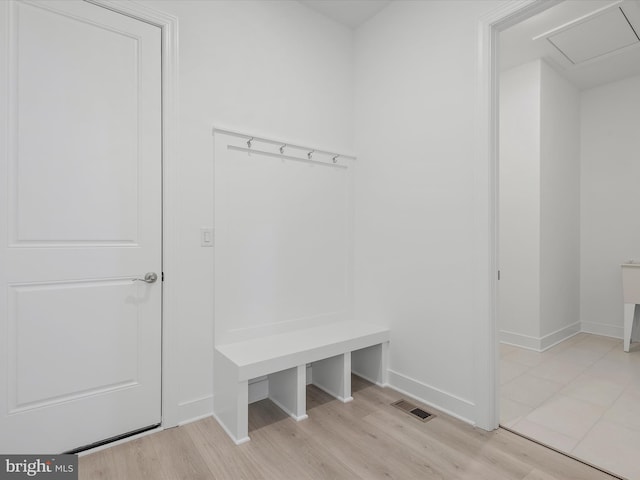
(206, 237)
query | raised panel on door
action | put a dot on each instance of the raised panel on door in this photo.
(46, 321)
(64, 182)
(79, 220)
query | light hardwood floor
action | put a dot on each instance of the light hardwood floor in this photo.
(365, 439)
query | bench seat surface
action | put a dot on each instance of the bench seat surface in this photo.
(264, 355)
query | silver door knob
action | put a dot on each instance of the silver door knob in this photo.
(150, 277)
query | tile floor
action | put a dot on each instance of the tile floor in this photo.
(581, 397)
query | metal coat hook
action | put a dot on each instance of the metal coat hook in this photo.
(335, 159)
(282, 148)
(310, 154)
(249, 142)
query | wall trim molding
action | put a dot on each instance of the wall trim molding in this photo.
(554, 338)
(458, 407)
(603, 329)
(540, 344)
(196, 409)
(485, 193)
(520, 340)
(446, 402)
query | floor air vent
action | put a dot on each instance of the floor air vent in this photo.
(413, 410)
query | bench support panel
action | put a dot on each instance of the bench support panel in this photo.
(231, 399)
(333, 375)
(287, 389)
(371, 363)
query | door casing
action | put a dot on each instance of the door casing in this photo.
(486, 193)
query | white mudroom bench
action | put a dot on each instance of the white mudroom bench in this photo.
(333, 350)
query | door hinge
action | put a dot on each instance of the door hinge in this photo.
(162, 276)
(498, 275)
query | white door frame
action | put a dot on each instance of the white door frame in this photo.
(486, 189)
(169, 26)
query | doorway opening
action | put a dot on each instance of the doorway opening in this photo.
(565, 380)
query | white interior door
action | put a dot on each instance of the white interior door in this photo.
(80, 216)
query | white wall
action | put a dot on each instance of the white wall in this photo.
(610, 200)
(283, 241)
(415, 233)
(519, 239)
(539, 206)
(588, 202)
(278, 68)
(559, 207)
(273, 68)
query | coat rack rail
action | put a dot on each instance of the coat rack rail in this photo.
(310, 151)
(283, 156)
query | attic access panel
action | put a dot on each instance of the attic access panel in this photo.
(599, 35)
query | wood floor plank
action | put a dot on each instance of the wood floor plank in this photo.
(538, 475)
(318, 460)
(134, 459)
(177, 455)
(222, 456)
(267, 447)
(366, 439)
(367, 448)
(460, 456)
(462, 461)
(101, 466)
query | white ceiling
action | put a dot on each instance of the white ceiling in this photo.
(351, 13)
(588, 41)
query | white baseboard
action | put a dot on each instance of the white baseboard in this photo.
(289, 412)
(443, 401)
(370, 380)
(446, 402)
(540, 344)
(334, 395)
(558, 336)
(229, 433)
(603, 329)
(195, 409)
(520, 340)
